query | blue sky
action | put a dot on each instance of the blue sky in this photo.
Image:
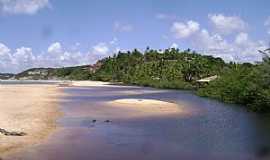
(54, 33)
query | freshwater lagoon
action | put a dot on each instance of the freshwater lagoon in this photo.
(210, 130)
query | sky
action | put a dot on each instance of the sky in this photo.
(57, 33)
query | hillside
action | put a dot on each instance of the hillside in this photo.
(4, 76)
(66, 73)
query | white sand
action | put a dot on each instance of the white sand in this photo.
(89, 83)
(99, 84)
(148, 107)
(32, 109)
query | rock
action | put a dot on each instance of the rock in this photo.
(7, 133)
(94, 121)
(107, 121)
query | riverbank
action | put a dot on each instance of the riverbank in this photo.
(29, 109)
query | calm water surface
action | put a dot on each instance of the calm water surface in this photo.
(214, 131)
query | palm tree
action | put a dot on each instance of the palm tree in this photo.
(266, 51)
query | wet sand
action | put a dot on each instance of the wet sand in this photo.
(32, 109)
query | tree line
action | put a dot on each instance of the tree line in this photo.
(247, 84)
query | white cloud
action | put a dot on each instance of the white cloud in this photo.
(23, 58)
(55, 48)
(212, 44)
(120, 27)
(174, 45)
(101, 48)
(227, 24)
(114, 41)
(182, 30)
(241, 49)
(4, 50)
(55, 56)
(23, 6)
(5, 57)
(241, 38)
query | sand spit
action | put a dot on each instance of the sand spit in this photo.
(148, 107)
(98, 84)
(29, 109)
(89, 83)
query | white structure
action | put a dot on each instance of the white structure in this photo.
(207, 79)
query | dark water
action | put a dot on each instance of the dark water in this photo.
(214, 131)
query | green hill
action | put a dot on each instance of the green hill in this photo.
(5, 76)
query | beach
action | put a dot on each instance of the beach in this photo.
(28, 109)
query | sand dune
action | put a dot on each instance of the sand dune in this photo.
(31, 109)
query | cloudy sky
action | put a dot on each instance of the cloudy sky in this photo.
(54, 33)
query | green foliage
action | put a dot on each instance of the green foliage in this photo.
(168, 69)
(243, 84)
(74, 73)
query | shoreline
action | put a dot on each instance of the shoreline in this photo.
(32, 109)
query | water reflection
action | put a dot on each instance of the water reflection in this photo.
(218, 131)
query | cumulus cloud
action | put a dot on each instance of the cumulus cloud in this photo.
(55, 48)
(241, 49)
(227, 24)
(5, 57)
(22, 6)
(103, 49)
(184, 30)
(55, 56)
(120, 27)
(212, 44)
(237, 47)
(23, 58)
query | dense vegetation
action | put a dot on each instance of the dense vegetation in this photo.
(247, 84)
(73, 73)
(243, 84)
(168, 69)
